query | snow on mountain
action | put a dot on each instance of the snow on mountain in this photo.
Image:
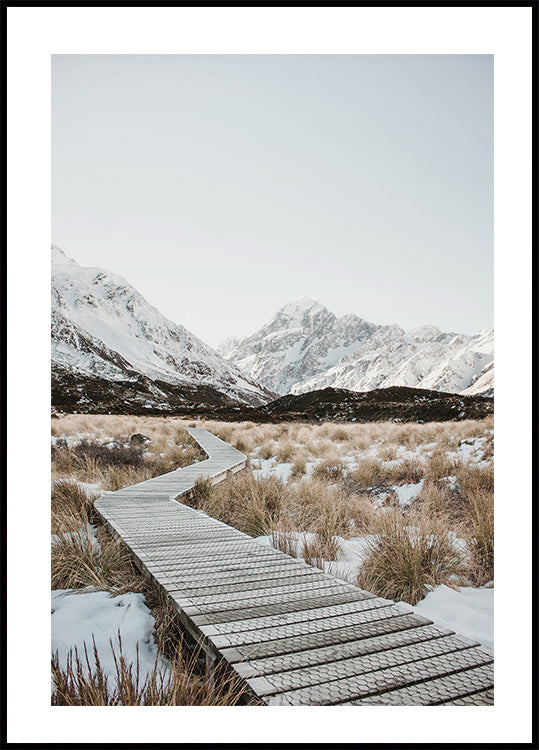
(301, 341)
(305, 347)
(102, 327)
(483, 383)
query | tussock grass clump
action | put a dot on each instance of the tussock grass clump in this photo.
(240, 445)
(285, 451)
(71, 506)
(438, 500)
(117, 477)
(340, 434)
(389, 452)
(314, 506)
(83, 682)
(321, 448)
(407, 471)
(299, 467)
(250, 505)
(368, 473)
(362, 514)
(223, 431)
(473, 478)
(407, 555)
(79, 559)
(321, 548)
(284, 540)
(480, 538)
(440, 465)
(330, 470)
(266, 451)
(201, 494)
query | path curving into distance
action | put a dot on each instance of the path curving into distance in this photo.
(296, 635)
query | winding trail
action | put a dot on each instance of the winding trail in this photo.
(295, 634)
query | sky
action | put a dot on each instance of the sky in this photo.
(224, 186)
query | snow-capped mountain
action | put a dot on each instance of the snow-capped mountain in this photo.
(301, 341)
(305, 347)
(103, 328)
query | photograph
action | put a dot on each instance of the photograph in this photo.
(272, 380)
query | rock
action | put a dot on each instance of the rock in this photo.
(139, 439)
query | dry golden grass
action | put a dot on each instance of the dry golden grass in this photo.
(299, 468)
(480, 536)
(91, 459)
(407, 471)
(439, 465)
(248, 504)
(283, 540)
(71, 506)
(410, 551)
(330, 469)
(368, 473)
(407, 555)
(83, 682)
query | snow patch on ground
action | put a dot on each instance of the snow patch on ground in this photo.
(407, 493)
(81, 537)
(265, 468)
(77, 617)
(468, 611)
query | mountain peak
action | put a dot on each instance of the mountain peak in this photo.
(301, 305)
(103, 327)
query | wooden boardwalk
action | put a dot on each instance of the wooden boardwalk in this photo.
(295, 634)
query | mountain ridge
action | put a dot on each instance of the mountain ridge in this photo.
(306, 347)
(103, 328)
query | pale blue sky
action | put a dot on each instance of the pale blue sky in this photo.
(223, 186)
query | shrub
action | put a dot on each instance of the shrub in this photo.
(113, 455)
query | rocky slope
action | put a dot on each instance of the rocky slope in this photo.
(107, 339)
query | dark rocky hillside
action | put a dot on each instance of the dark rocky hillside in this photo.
(398, 404)
(96, 395)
